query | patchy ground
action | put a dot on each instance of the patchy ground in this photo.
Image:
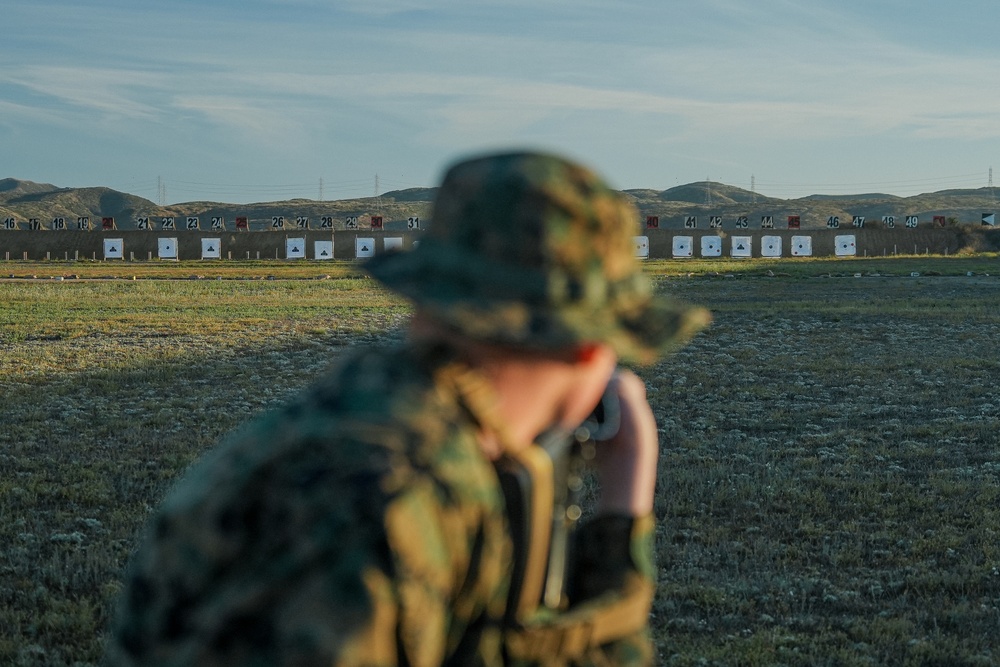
(828, 481)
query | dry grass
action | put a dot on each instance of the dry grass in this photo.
(828, 485)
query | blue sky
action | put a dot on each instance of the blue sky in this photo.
(260, 100)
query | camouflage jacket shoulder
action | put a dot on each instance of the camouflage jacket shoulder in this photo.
(361, 510)
(357, 525)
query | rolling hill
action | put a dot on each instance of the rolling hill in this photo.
(23, 200)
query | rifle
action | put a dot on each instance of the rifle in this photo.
(543, 488)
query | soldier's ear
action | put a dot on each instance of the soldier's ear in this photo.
(586, 352)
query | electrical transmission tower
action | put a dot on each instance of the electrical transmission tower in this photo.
(753, 189)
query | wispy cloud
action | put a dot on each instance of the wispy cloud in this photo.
(117, 92)
(419, 78)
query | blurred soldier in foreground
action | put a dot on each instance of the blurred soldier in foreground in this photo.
(366, 523)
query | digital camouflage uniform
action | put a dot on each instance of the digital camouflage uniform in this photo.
(361, 524)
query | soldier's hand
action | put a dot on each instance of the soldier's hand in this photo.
(626, 464)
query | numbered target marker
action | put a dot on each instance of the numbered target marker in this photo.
(83, 223)
(845, 246)
(802, 246)
(742, 222)
(295, 248)
(34, 224)
(741, 246)
(376, 222)
(794, 222)
(167, 224)
(192, 223)
(218, 223)
(10, 224)
(59, 224)
(690, 222)
(166, 248)
(858, 221)
(364, 248)
(351, 222)
(413, 222)
(211, 248)
(833, 222)
(912, 221)
(683, 246)
(242, 223)
(302, 222)
(715, 221)
(889, 221)
(326, 222)
(652, 222)
(114, 249)
(641, 245)
(278, 222)
(323, 250)
(711, 246)
(767, 222)
(142, 223)
(770, 246)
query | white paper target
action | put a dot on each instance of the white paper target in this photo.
(113, 248)
(323, 249)
(711, 246)
(683, 246)
(392, 243)
(295, 248)
(364, 248)
(845, 246)
(641, 244)
(742, 246)
(770, 246)
(802, 246)
(211, 248)
(166, 248)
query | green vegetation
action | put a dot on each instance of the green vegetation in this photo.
(829, 480)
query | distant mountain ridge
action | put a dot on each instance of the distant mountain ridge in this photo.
(23, 200)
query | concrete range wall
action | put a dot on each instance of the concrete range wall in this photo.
(145, 245)
(868, 242)
(347, 245)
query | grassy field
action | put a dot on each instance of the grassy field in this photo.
(829, 483)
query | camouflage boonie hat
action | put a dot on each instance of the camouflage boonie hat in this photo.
(531, 250)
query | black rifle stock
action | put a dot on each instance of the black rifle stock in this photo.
(543, 485)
